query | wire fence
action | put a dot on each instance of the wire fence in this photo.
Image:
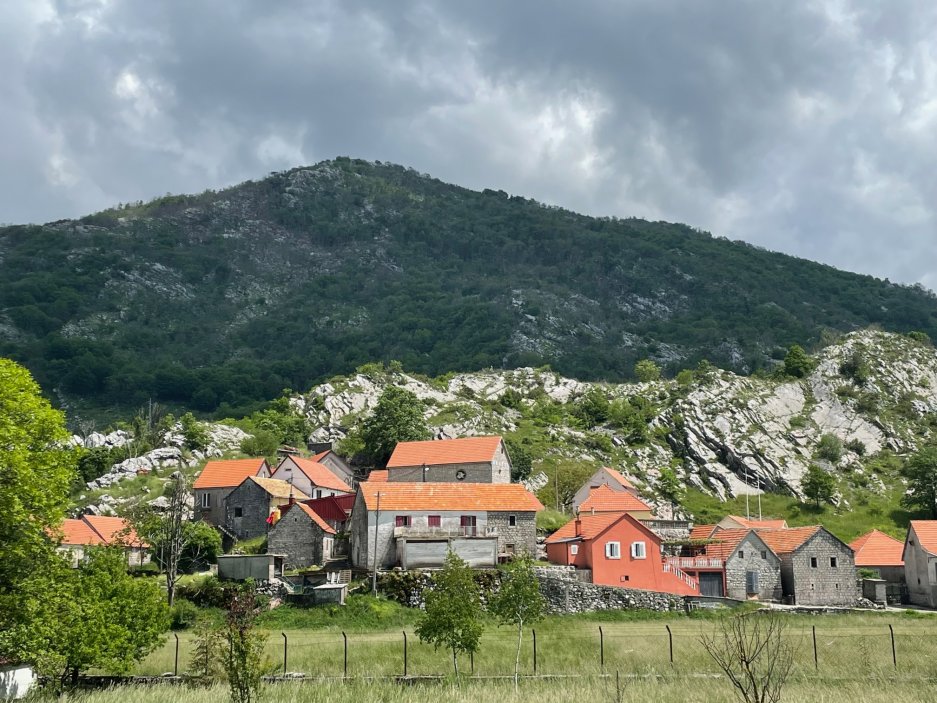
(866, 652)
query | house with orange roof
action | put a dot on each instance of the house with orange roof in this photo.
(605, 500)
(817, 568)
(882, 554)
(460, 460)
(617, 549)
(920, 562)
(314, 479)
(253, 506)
(414, 525)
(735, 563)
(614, 480)
(730, 522)
(337, 465)
(101, 531)
(218, 479)
(302, 536)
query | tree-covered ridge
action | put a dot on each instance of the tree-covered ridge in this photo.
(223, 299)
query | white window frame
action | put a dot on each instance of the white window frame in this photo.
(639, 550)
(613, 550)
(574, 549)
(204, 500)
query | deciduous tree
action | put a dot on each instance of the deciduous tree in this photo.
(921, 472)
(646, 370)
(818, 485)
(397, 417)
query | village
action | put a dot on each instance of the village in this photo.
(323, 526)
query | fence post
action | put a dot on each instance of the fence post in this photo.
(472, 660)
(175, 667)
(535, 651)
(601, 649)
(284, 652)
(894, 652)
(816, 661)
(404, 652)
(670, 641)
(345, 638)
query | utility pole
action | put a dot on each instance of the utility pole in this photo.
(748, 512)
(377, 520)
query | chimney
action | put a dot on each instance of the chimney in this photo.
(578, 525)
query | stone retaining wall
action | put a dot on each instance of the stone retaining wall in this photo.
(565, 593)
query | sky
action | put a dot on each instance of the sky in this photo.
(808, 127)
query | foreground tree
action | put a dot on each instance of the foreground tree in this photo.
(243, 646)
(818, 485)
(452, 618)
(518, 601)
(397, 417)
(36, 470)
(755, 653)
(921, 472)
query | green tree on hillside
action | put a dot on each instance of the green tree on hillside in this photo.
(646, 370)
(796, 362)
(921, 473)
(818, 485)
(397, 417)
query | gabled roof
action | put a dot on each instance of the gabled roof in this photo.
(320, 475)
(606, 500)
(618, 476)
(788, 539)
(378, 476)
(114, 530)
(926, 531)
(702, 531)
(496, 497)
(728, 541)
(79, 532)
(276, 488)
(320, 456)
(313, 515)
(875, 548)
(759, 524)
(334, 508)
(464, 450)
(228, 473)
(591, 526)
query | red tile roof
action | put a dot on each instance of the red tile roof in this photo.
(590, 526)
(228, 473)
(787, 540)
(607, 500)
(464, 450)
(728, 542)
(378, 476)
(875, 548)
(759, 524)
(314, 516)
(499, 497)
(320, 475)
(79, 532)
(618, 476)
(320, 456)
(114, 530)
(926, 531)
(702, 531)
(276, 488)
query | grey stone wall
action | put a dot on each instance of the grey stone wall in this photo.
(215, 512)
(523, 535)
(564, 593)
(298, 538)
(823, 584)
(474, 473)
(254, 503)
(758, 558)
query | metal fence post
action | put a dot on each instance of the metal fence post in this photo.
(894, 652)
(345, 638)
(816, 660)
(175, 667)
(601, 649)
(404, 652)
(535, 651)
(285, 641)
(472, 660)
(670, 640)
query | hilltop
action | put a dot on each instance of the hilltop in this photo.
(218, 301)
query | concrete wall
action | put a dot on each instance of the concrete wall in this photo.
(758, 558)
(16, 680)
(337, 466)
(255, 504)
(823, 584)
(215, 513)
(300, 539)
(920, 570)
(240, 567)
(422, 554)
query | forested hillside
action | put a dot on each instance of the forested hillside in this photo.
(220, 300)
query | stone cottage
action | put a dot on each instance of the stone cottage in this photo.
(251, 507)
(817, 568)
(614, 480)
(217, 480)
(462, 460)
(605, 500)
(920, 562)
(301, 536)
(737, 563)
(101, 531)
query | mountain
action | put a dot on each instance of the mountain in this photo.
(220, 300)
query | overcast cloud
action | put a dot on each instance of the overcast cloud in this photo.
(805, 127)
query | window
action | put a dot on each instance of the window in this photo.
(512, 520)
(638, 550)
(574, 549)
(434, 521)
(626, 578)
(764, 554)
(833, 563)
(741, 554)
(402, 521)
(468, 523)
(205, 500)
(613, 550)
(318, 493)
(813, 562)
(239, 512)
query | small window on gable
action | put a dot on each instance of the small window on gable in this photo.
(574, 549)
(626, 578)
(764, 554)
(613, 550)
(813, 562)
(638, 550)
(239, 512)
(813, 586)
(318, 493)
(833, 563)
(741, 554)
(911, 542)
(512, 520)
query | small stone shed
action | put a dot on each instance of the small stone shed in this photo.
(302, 536)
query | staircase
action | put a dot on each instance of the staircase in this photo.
(691, 583)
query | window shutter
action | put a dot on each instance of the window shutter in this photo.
(751, 582)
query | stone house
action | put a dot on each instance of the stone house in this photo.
(466, 459)
(101, 531)
(616, 549)
(414, 525)
(817, 568)
(302, 537)
(737, 564)
(920, 562)
(605, 500)
(217, 480)
(614, 480)
(252, 506)
(312, 478)
(882, 554)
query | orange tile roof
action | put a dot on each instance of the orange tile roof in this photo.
(79, 532)
(702, 531)
(606, 500)
(228, 473)
(926, 531)
(378, 476)
(590, 527)
(788, 539)
(504, 497)
(464, 450)
(618, 476)
(320, 475)
(320, 456)
(728, 542)
(114, 530)
(875, 548)
(759, 524)
(276, 488)
(316, 518)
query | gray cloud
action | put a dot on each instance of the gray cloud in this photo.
(806, 127)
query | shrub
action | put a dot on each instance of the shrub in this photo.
(646, 371)
(856, 367)
(183, 614)
(830, 447)
(796, 362)
(208, 592)
(856, 445)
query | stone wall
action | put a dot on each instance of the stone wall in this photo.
(523, 535)
(758, 558)
(564, 593)
(444, 473)
(822, 584)
(298, 538)
(254, 504)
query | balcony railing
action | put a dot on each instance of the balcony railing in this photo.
(696, 562)
(685, 577)
(425, 532)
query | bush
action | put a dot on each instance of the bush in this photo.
(550, 520)
(208, 592)
(797, 363)
(149, 569)
(856, 445)
(856, 367)
(830, 447)
(183, 615)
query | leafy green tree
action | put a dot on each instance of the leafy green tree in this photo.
(452, 617)
(670, 487)
(36, 471)
(856, 367)
(646, 370)
(397, 417)
(593, 407)
(818, 485)
(194, 432)
(521, 460)
(830, 448)
(921, 472)
(242, 653)
(260, 443)
(796, 362)
(518, 602)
